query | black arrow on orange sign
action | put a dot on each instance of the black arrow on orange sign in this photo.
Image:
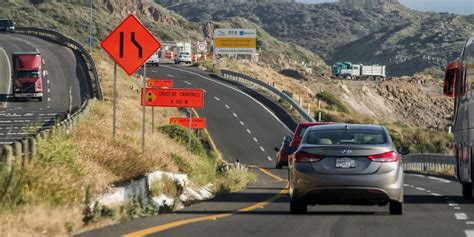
(139, 47)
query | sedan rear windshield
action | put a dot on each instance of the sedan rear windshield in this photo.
(345, 136)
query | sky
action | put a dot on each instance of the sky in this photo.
(464, 7)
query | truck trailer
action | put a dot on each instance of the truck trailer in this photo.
(358, 71)
(27, 75)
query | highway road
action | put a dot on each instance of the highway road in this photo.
(65, 86)
(244, 129)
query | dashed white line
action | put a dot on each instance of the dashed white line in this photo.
(187, 82)
(47, 81)
(49, 99)
(269, 158)
(261, 148)
(169, 75)
(469, 222)
(255, 139)
(228, 107)
(452, 204)
(406, 185)
(439, 179)
(436, 194)
(235, 115)
(457, 208)
(460, 216)
(249, 132)
(428, 191)
(49, 90)
(421, 189)
(154, 70)
(242, 123)
(217, 98)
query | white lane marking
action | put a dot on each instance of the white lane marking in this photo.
(452, 204)
(49, 99)
(47, 81)
(457, 208)
(235, 115)
(406, 185)
(235, 89)
(436, 194)
(269, 158)
(169, 75)
(460, 216)
(49, 90)
(469, 233)
(255, 139)
(248, 131)
(217, 98)
(421, 189)
(228, 107)
(187, 82)
(261, 148)
(204, 91)
(439, 179)
(9, 74)
(428, 191)
(153, 70)
(242, 123)
(469, 222)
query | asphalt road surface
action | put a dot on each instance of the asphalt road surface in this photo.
(66, 86)
(244, 129)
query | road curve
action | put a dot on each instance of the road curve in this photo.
(65, 86)
(433, 206)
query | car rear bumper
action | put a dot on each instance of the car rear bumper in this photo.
(314, 188)
(28, 95)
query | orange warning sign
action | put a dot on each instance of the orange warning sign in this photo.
(181, 98)
(155, 83)
(196, 123)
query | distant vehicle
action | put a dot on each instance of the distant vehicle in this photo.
(358, 71)
(458, 85)
(154, 60)
(7, 25)
(27, 75)
(183, 57)
(346, 164)
(290, 144)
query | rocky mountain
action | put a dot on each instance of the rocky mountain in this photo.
(361, 31)
(71, 18)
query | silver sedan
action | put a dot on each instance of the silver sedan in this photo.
(346, 164)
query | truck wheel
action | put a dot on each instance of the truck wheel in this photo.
(40, 99)
(396, 208)
(466, 190)
(297, 207)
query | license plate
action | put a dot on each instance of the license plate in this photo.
(345, 163)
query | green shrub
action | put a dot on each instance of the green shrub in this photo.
(12, 183)
(333, 101)
(181, 135)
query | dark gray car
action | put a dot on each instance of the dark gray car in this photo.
(346, 164)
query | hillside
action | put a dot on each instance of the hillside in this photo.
(362, 31)
(71, 18)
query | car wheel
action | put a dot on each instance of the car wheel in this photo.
(278, 165)
(466, 190)
(298, 207)
(396, 208)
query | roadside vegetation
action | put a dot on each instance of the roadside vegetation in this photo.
(53, 194)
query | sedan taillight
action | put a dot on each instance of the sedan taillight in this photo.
(303, 157)
(390, 156)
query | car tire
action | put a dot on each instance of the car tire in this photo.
(278, 165)
(396, 208)
(298, 207)
(467, 190)
(40, 99)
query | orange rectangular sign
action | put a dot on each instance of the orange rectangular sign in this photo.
(196, 123)
(155, 83)
(181, 98)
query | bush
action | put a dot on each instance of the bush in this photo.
(333, 101)
(233, 179)
(12, 183)
(181, 135)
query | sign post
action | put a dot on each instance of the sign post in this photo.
(143, 109)
(130, 45)
(115, 99)
(153, 83)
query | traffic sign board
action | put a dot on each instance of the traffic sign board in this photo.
(155, 83)
(196, 123)
(181, 98)
(130, 44)
(201, 47)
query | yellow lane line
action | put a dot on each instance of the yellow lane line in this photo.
(174, 224)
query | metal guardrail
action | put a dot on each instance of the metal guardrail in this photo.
(63, 39)
(430, 164)
(228, 74)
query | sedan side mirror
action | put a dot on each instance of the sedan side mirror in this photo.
(404, 150)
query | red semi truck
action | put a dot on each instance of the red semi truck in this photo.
(27, 75)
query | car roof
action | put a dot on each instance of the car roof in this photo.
(337, 126)
(307, 124)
